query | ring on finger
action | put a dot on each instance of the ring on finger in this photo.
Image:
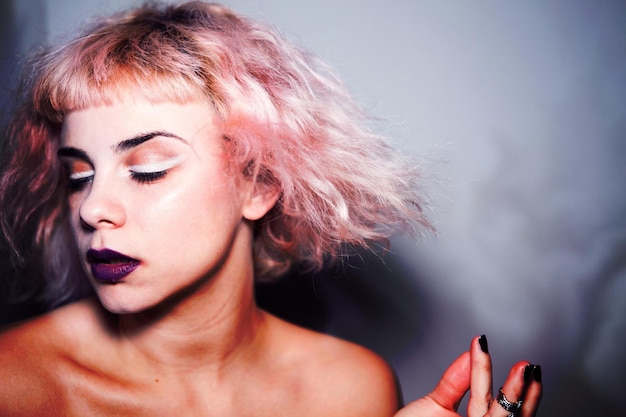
(511, 407)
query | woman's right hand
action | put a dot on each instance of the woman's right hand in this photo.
(472, 371)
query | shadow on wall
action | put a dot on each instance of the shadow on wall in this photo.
(591, 384)
(368, 300)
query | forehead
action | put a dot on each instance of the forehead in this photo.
(127, 118)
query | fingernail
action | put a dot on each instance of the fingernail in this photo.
(482, 341)
(528, 372)
(537, 373)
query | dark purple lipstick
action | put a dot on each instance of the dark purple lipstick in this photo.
(110, 266)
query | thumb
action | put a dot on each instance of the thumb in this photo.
(454, 383)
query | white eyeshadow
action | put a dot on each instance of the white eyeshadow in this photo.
(155, 166)
(80, 175)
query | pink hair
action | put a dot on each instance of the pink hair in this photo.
(288, 121)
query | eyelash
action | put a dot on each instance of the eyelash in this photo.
(147, 177)
(78, 184)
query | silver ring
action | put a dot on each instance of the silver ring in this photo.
(509, 406)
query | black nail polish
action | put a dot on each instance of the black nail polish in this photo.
(537, 373)
(482, 341)
(528, 372)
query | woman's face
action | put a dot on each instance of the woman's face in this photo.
(154, 208)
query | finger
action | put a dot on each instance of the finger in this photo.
(533, 394)
(480, 378)
(513, 388)
(453, 384)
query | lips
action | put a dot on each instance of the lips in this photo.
(110, 266)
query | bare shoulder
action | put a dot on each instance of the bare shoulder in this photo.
(32, 351)
(340, 377)
(53, 329)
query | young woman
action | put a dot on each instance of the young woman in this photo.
(163, 161)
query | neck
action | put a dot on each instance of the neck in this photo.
(206, 327)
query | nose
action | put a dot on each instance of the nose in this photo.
(102, 207)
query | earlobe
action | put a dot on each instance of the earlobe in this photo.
(260, 200)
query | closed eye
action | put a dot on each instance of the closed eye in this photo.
(151, 172)
(77, 181)
(147, 177)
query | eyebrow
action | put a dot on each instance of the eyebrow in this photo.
(144, 137)
(126, 144)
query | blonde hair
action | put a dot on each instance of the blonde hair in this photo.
(288, 121)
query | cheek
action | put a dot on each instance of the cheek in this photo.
(199, 207)
(192, 227)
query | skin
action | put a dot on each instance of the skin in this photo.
(182, 331)
(471, 372)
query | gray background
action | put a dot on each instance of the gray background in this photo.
(519, 108)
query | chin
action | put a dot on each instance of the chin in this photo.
(117, 301)
(119, 308)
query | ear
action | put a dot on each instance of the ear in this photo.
(260, 199)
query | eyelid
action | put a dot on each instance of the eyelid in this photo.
(155, 166)
(81, 175)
